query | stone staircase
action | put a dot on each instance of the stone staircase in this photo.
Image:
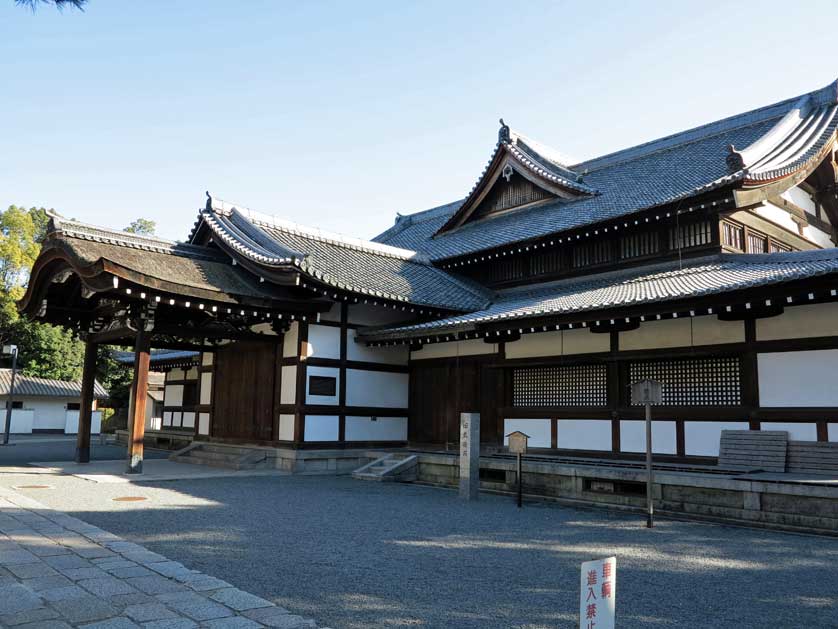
(391, 467)
(229, 457)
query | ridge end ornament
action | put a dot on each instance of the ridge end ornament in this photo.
(503, 133)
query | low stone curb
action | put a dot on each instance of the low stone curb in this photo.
(57, 571)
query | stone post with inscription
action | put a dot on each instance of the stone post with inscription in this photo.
(469, 455)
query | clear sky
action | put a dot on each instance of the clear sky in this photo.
(340, 114)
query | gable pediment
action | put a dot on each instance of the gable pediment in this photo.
(520, 174)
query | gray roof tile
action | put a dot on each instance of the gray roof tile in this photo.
(30, 386)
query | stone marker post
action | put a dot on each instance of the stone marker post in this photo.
(469, 455)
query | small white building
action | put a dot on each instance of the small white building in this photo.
(45, 405)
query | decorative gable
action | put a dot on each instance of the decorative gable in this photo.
(520, 173)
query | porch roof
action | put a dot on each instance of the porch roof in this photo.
(654, 284)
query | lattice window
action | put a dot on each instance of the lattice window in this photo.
(639, 244)
(693, 381)
(776, 247)
(690, 235)
(591, 253)
(507, 195)
(733, 236)
(571, 385)
(757, 243)
(546, 262)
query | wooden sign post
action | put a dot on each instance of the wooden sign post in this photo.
(518, 446)
(648, 392)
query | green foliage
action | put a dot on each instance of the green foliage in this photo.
(142, 226)
(115, 377)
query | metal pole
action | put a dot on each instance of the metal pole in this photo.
(9, 400)
(649, 473)
(520, 481)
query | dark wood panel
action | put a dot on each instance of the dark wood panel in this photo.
(243, 391)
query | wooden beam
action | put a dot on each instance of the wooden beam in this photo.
(139, 394)
(86, 408)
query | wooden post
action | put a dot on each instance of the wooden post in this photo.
(88, 379)
(139, 395)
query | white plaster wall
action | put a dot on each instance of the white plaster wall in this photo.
(286, 427)
(683, 332)
(380, 429)
(71, 422)
(289, 341)
(329, 372)
(288, 385)
(188, 420)
(167, 418)
(376, 388)
(322, 428)
(800, 322)
(22, 420)
(633, 436)
(797, 432)
(263, 328)
(206, 388)
(798, 378)
(395, 355)
(191, 374)
(173, 395)
(584, 434)
(203, 423)
(206, 359)
(176, 374)
(558, 343)
(323, 341)
(538, 431)
(832, 432)
(367, 314)
(50, 414)
(471, 347)
(702, 438)
(333, 314)
(801, 198)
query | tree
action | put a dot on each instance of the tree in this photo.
(33, 4)
(142, 227)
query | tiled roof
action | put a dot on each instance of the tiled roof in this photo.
(157, 356)
(182, 266)
(770, 142)
(354, 265)
(29, 386)
(659, 283)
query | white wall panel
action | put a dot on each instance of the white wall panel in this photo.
(396, 355)
(207, 359)
(322, 428)
(327, 372)
(538, 431)
(288, 385)
(203, 423)
(633, 436)
(832, 432)
(684, 332)
(167, 418)
(286, 427)
(472, 347)
(800, 322)
(71, 422)
(584, 434)
(323, 341)
(376, 388)
(380, 429)
(702, 438)
(206, 388)
(188, 420)
(797, 432)
(191, 374)
(173, 395)
(289, 341)
(176, 374)
(798, 378)
(565, 342)
(50, 414)
(333, 314)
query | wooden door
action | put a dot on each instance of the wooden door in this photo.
(244, 388)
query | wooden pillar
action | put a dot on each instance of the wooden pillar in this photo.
(88, 379)
(139, 395)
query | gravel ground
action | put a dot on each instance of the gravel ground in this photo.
(353, 554)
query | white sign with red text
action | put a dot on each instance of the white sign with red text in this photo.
(598, 594)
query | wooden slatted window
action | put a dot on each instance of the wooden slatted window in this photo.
(690, 235)
(733, 236)
(757, 243)
(638, 245)
(546, 262)
(570, 385)
(777, 247)
(693, 381)
(590, 253)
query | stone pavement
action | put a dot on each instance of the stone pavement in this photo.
(58, 572)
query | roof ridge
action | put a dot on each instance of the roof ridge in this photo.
(267, 220)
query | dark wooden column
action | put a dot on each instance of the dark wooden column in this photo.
(86, 408)
(139, 395)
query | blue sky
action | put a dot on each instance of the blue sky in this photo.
(340, 114)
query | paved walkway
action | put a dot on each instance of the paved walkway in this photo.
(58, 572)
